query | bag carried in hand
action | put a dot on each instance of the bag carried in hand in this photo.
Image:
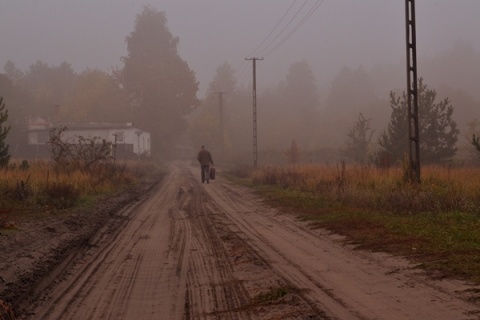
(212, 173)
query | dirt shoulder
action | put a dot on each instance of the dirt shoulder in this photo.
(33, 253)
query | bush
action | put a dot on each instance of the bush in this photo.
(85, 154)
(60, 195)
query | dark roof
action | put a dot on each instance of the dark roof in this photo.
(95, 125)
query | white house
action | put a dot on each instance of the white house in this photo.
(128, 140)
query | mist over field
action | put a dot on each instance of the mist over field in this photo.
(324, 63)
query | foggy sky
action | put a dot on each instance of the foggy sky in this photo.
(91, 33)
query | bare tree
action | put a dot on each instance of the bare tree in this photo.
(85, 154)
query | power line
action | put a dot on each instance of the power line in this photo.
(244, 75)
(273, 30)
(271, 45)
(286, 26)
(297, 27)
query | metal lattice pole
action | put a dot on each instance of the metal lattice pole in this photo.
(412, 93)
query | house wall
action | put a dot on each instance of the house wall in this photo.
(129, 140)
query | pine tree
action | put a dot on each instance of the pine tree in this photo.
(358, 141)
(476, 142)
(4, 155)
(293, 153)
(160, 84)
(437, 130)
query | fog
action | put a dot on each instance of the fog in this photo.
(330, 35)
(339, 33)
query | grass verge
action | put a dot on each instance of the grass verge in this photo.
(443, 239)
(42, 188)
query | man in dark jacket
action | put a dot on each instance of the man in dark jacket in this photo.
(205, 159)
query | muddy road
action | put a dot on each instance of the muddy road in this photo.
(216, 251)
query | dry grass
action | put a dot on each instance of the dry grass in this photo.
(442, 189)
(43, 187)
(435, 223)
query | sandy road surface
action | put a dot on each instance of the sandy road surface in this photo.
(193, 251)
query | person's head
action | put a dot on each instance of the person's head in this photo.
(203, 147)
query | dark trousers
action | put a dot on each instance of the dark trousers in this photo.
(205, 172)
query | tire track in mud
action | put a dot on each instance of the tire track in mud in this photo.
(209, 258)
(249, 275)
(111, 260)
(109, 264)
(174, 257)
(346, 284)
(291, 270)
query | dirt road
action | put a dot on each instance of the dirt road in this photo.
(215, 251)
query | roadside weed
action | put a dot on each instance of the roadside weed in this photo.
(435, 223)
(270, 296)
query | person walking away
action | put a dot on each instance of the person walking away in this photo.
(205, 159)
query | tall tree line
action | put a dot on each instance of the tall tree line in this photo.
(155, 89)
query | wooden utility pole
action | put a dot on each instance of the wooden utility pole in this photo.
(412, 93)
(255, 150)
(221, 122)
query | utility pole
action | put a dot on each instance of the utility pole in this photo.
(114, 147)
(222, 128)
(255, 150)
(412, 92)
(138, 133)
